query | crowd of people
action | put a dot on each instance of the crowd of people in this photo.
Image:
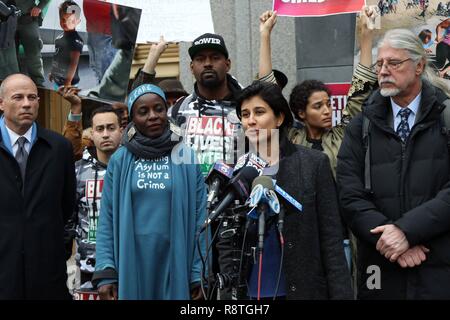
(127, 205)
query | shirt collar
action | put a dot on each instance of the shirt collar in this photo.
(413, 106)
(14, 136)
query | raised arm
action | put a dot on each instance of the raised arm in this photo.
(267, 21)
(364, 79)
(72, 128)
(148, 72)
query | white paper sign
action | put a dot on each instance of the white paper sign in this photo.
(176, 20)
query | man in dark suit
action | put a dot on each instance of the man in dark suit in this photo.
(37, 183)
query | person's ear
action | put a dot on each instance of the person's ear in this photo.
(228, 63)
(280, 119)
(420, 67)
(302, 114)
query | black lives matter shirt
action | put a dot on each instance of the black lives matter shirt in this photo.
(65, 43)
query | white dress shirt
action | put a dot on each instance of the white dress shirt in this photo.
(14, 137)
(413, 106)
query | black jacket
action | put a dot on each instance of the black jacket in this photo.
(33, 256)
(314, 262)
(410, 188)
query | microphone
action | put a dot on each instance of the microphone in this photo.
(238, 188)
(263, 193)
(218, 176)
(251, 160)
(265, 203)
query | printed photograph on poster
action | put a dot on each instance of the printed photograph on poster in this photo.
(88, 44)
(428, 19)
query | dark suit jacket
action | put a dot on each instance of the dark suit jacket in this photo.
(32, 251)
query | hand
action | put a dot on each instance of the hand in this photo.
(443, 72)
(366, 23)
(413, 257)
(392, 242)
(160, 47)
(156, 50)
(70, 93)
(267, 21)
(35, 11)
(108, 291)
(197, 293)
(87, 134)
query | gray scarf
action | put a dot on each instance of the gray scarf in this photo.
(145, 147)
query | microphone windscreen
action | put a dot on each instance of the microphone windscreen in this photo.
(265, 181)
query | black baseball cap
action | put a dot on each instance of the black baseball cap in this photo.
(208, 41)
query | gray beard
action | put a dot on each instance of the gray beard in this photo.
(389, 92)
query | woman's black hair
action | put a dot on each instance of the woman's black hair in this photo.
(272, 95)
(298, 99)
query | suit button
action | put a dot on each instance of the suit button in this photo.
(290, 245)
(292, 287)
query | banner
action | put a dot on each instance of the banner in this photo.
(428, 19)
(176, 20)
(87, 44)
(338, 99)
(316, 8)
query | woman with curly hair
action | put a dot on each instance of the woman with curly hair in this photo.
(311, 104)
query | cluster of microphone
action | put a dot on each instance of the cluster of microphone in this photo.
(244, 188)
(261, 193)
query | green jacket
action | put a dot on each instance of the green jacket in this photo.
(363, 83)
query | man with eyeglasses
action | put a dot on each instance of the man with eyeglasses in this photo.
(37, 183)
(393, 181)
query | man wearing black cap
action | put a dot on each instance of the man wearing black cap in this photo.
(212, 103)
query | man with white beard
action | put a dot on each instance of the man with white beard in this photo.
(393, 177)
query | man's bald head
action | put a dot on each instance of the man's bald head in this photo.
(19, 102)
(15, 79)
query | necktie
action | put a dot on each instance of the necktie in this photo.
(22, 156)
(403, 126)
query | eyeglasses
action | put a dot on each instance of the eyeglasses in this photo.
(389, 64)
